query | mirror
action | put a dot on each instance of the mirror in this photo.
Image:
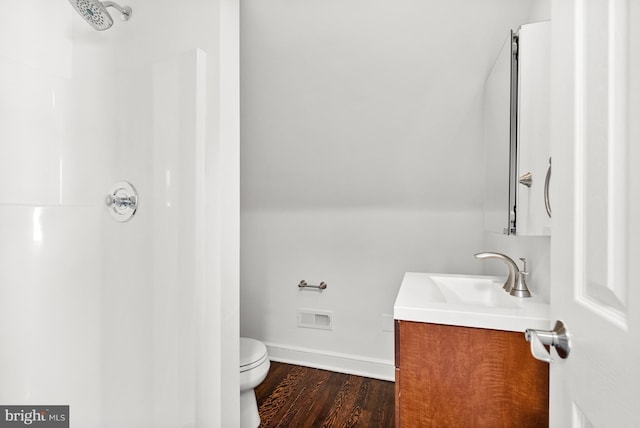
(517, 122)
(497, 138)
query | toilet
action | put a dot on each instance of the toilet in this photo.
(254, 366)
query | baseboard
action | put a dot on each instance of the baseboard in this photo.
(334, 361)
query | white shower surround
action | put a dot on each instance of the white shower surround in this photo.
(131, 324)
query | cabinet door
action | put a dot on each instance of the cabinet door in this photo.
(450, 376)
(534, 74)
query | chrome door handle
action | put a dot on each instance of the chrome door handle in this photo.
(558, 338)
(547, 180)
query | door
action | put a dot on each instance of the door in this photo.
(596, 205)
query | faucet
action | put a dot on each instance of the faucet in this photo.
(511, 266)
(515, 284)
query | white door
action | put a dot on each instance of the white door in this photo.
(595, 195)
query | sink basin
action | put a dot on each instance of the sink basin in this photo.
(467, 300)
(473, 290)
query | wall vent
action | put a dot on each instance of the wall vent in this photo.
(312, 318)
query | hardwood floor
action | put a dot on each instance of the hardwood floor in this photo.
(300, 397)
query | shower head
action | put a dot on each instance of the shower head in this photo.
(95, 12)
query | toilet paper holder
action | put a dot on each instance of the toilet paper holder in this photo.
(558, 338)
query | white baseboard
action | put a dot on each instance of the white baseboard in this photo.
(334, 361)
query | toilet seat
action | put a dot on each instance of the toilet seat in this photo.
(252, 354)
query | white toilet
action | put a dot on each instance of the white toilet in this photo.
(254, 366)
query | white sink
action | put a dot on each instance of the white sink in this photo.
(467, 300)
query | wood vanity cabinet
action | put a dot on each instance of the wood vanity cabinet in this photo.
(450, 376)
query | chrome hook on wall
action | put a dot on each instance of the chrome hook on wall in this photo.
(122, 201)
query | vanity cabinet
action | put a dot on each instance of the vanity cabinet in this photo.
(453, 376)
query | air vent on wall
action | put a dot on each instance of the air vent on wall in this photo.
(311, 318)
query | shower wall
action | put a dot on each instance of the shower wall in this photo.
(128, 323)
(50, 232)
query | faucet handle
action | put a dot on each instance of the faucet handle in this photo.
(520, 288)
(524, 269)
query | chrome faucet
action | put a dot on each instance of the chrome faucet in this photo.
(515, 284)
(511, 266)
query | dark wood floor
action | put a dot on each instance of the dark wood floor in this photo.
(300, 397)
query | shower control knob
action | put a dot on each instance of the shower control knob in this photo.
(122, 201)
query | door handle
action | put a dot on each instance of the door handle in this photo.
(547, 180)
(558, 338)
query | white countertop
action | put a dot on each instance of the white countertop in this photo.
(426, 297)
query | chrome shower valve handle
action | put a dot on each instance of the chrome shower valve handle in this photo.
(122, 201)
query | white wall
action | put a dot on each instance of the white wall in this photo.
(361, 159)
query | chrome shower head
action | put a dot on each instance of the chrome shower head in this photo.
(95, 12)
